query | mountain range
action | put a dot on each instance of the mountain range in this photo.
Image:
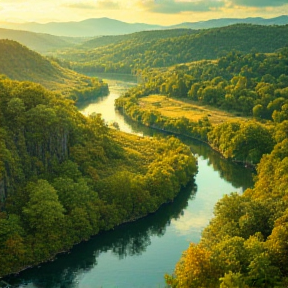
(106, 26)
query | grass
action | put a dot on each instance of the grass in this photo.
(176, 108)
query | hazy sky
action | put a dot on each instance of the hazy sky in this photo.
(164, 12)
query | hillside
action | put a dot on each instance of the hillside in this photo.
(20, 63)
(144, 36)
(253, 84)
(63, 176)
(139, 52)
(85, 28)
(213, 23)
(105, 26)
(42, 43)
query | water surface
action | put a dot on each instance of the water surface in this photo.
(138, 254)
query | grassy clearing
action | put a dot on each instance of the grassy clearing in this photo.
(176, 108)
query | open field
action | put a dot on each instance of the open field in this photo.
(176, 108)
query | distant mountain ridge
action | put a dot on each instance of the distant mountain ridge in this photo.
(106, 26)
(39, 42)
(217, 23)
(86, 28)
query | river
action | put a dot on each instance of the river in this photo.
(138, 254)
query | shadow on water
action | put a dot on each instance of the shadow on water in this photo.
(236, 174)
(133, 239)
(126, 240)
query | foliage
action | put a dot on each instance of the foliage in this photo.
(65, 177)
(246, 142)
(254, 84)
(129, 53)
(247, 238)
(20, 63)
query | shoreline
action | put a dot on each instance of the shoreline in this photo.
(52, 258)
(238, 162)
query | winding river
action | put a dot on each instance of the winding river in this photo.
(138, 254)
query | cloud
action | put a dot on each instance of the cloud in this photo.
(100, 5)
(80, 5)
(191, 223)
(174, 7)
(107, 5)
(259, 3)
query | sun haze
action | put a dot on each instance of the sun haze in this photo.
(162, 12)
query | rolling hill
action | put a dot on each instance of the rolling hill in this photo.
(143, 36)
(214, 23)
(86, 28)
(105, 26)
(149, 49)
(40, 42)
(22, 64)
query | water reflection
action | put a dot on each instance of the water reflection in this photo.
(237, 175)
(139, 254)
(126, 240)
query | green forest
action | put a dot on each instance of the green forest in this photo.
(253, 85)
(128, 54)
(22, 64)
(65, 177)
(245, 244)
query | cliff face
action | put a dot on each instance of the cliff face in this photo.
(29, 158)
(35, 134)
(2, 191)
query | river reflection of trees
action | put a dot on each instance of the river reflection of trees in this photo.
(126, 240)
(131, 238)
(236, 174)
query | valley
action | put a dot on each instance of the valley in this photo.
(125, 165)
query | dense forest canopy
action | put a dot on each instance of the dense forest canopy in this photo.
(128, 54)
(65, 177)
(245, 244)
(144, 36)
(253, 84)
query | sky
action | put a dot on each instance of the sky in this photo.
(162, 12)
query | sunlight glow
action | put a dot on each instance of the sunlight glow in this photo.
(163, 12)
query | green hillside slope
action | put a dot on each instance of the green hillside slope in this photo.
(144, 36)
(42, 43)
(149, 51)
(65, 177)
(86, 28)
(20, 63)
(105, 26)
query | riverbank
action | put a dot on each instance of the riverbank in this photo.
(154, 126)
(107, 178)
(158, 239)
